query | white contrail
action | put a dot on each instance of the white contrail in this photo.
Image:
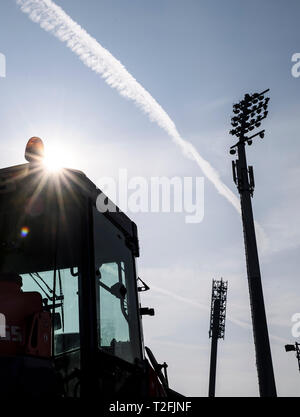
(53, 19)
(200, 306)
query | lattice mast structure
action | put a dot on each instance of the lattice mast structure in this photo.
(217, 327)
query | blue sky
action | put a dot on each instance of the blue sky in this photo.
(196, 58)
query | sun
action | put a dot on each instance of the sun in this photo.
(54, 157)
(53, 160)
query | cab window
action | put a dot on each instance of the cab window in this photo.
(59, 292)
(117, 309)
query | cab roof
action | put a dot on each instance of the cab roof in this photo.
(10, 176)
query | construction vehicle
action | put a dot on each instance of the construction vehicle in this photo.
(69, 293)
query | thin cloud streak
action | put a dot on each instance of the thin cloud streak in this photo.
(233, 320)
(52, 18)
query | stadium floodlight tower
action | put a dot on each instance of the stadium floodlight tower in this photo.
(217, 327)
(248, 115)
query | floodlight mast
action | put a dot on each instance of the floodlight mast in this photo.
(244, 179)
(217, 327)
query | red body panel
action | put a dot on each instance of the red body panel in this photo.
(28, 327)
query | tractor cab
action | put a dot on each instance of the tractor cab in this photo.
(69, 307)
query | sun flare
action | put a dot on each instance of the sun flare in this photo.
(53, 160)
